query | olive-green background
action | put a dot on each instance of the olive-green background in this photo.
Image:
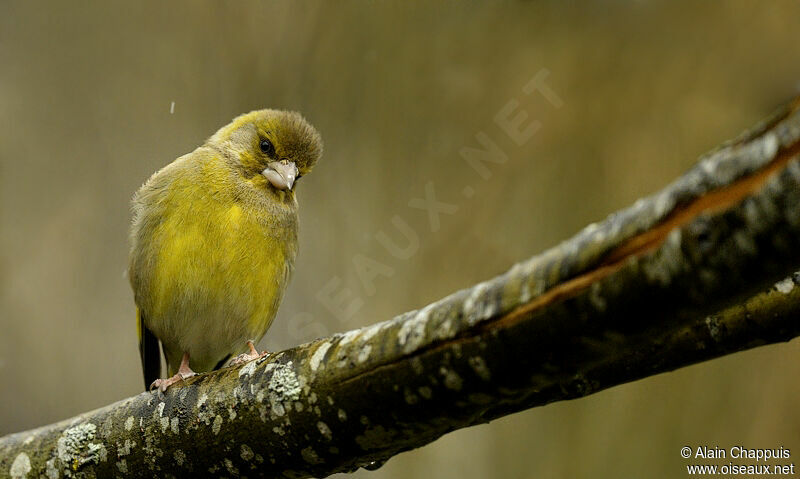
(396, 90)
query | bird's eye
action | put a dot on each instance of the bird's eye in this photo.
(267, 147)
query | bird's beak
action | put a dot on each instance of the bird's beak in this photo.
(281, 174)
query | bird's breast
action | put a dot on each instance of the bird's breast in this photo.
(219, 274)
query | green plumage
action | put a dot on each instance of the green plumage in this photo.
(213, 240)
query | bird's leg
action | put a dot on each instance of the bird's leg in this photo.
(184, 372)
(245, 357)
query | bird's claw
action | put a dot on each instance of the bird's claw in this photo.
(163, 384)
(247, 357)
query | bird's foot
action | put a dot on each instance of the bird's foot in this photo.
(184, 372)
(247, 357)
(163, 384)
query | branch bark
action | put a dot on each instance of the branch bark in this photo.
(699, 270)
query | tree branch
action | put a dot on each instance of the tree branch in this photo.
(683, 276)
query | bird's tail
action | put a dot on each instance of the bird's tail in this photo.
(148, 351)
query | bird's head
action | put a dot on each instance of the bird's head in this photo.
(273, 148)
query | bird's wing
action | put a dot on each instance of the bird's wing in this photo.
(148, 350)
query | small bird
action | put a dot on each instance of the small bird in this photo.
(213, 244)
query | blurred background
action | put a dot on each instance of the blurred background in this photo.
(95, 99)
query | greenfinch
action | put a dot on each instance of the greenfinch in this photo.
(213, 243)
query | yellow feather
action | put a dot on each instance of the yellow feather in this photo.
(213, 243)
